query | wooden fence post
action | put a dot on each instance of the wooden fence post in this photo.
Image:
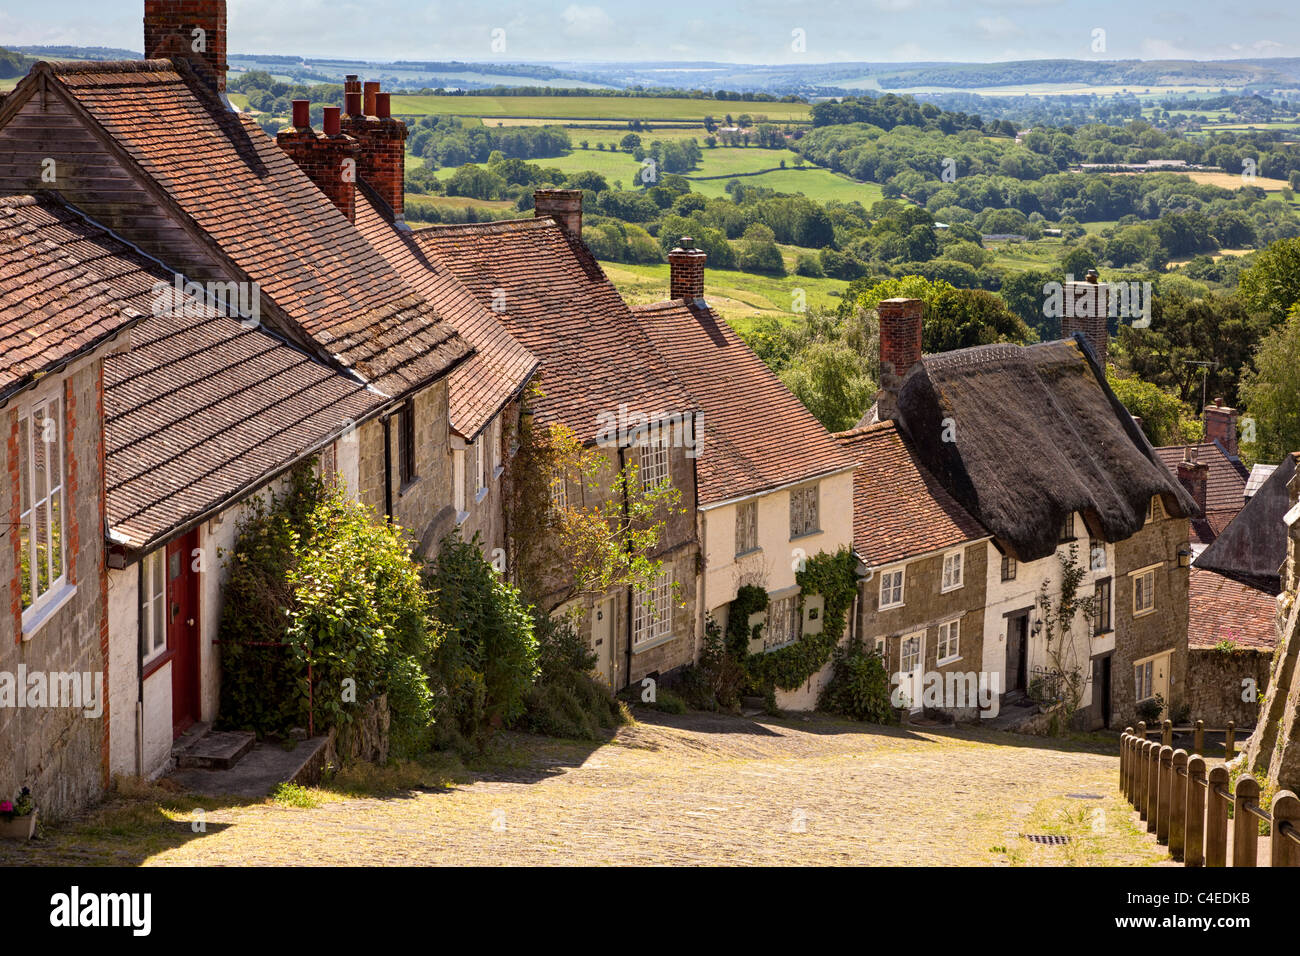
(1229, 741)
(1194, 850)
(1166, 789)
(1216, 818)
(1178, 804)
(1152, 789)
(1139, 751)
(1286, 809)
(1123, 761)
(1167, 733)
(1198, 740)
(1245, 825)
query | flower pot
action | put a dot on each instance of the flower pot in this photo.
(19, 828)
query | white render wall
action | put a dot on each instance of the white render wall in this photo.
(774, 564)
(1023, 592)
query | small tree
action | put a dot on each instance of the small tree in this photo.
(598, 535)
(1061, 615)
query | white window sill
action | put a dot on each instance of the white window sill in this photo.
(480, 495)
(652, 643)
(948, 660)
(34, 618)
(461, 516)
(498, 471)
(951, 588)
(890, 607)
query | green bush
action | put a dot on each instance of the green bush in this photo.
(716, 682)
(566, 701)
(487, 660)
(317, 583)
(859, 686)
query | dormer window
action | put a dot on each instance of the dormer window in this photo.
(1155, 509)
(1067, 528)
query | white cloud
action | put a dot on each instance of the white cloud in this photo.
(586, 22)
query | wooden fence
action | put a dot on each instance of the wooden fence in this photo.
(1186, 807)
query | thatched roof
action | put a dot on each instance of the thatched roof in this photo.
(1252, 548)
(1036, 434)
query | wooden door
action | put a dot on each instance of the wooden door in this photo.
(183, 630)
(1017, 652)
(602, 639)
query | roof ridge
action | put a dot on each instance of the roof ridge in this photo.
(69, 67)
(874, 428)
(495, 224)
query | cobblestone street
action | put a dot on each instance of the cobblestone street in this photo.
(697, 789)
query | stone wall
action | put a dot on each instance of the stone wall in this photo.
(1215, 685)
(59, 752)
(365, 739)
(1165, 629)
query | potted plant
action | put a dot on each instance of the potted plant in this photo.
(18, 818)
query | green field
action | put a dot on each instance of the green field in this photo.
(9, 84)
(595, 107)
(739, 297)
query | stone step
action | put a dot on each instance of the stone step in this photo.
(258, 773)
(219, 750)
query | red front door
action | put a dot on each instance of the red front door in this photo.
(183, 630)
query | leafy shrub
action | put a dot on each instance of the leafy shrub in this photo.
(566, 701)
(859, 686)
(716, 682)
(1150, 709)
(487, 660)
(315, 582)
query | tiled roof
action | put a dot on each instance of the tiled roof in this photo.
(1226, 610)
(1226, 487)
(266, 217)
(1252, 547)
(500, 366)
(57, 287)
(756, 434)
(202, 410)
(553, 297)
(900, 510)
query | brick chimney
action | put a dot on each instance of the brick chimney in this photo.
(1195, 477)
(686, 270)
(193, 30)
(900, 349)
(324, 156)
(1221, 426)
(381, 162)
(1085, 310)
(562, 205)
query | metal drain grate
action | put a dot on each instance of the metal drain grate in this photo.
(1047, 839)
(1084, 796)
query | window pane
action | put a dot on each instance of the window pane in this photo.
(39, 454)
(41, 534)
(56, 535)
(25, 560)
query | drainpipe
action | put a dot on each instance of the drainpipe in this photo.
(627, 673)
(388, 466)
(139, 667)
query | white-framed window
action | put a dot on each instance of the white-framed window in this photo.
(804, 517)
(910, 654)
(559, 493)
(42, 505)
(952, 575)
(746, 527)
(153, 607)
(891, 589)
(949, 641)
(1144, 591)
(654, 462)
(784, 623)
(495, 429)
(1144, 680)
(652, 610)
(881, 647)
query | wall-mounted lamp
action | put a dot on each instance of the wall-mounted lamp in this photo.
(1184, 557)
(1037, 628)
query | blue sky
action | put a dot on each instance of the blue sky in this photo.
(757, 31)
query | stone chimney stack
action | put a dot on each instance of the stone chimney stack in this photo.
(686, 270)
(193, 30)
(1085, 309)
(1221, 426)
(328, 158)
(562, 205)
(381, 161)
(1195, 477)
(900, 349)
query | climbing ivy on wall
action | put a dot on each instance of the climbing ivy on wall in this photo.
(834, 577)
